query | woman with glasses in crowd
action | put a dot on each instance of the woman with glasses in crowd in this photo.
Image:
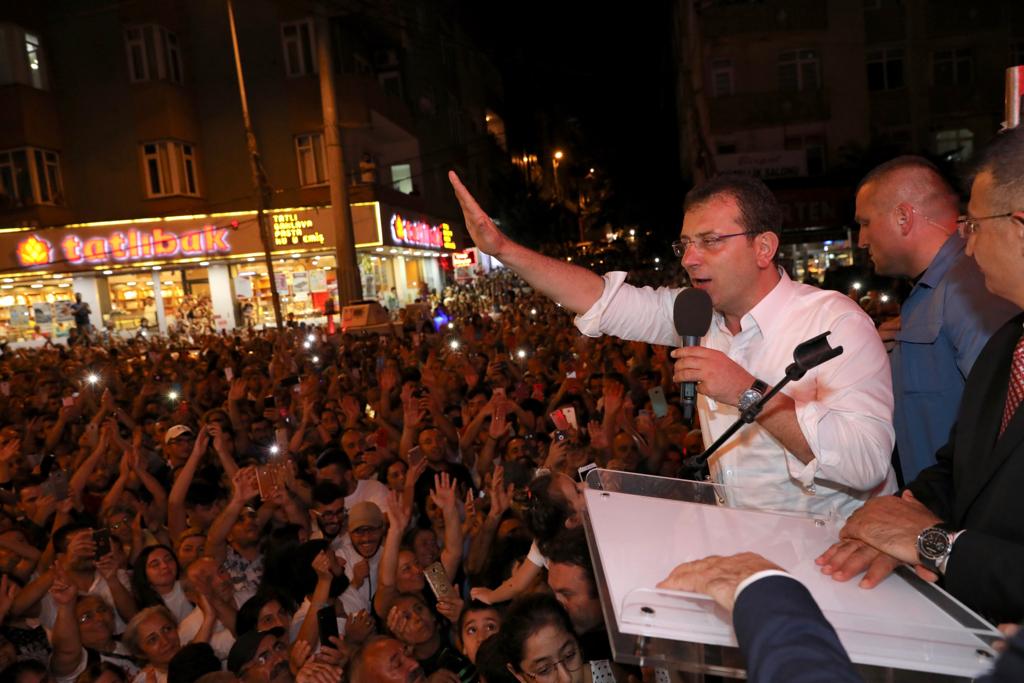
(539, 643)
(83, 634)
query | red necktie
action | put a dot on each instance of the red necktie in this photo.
(1015, 392)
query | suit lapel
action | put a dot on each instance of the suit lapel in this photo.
(979, 449)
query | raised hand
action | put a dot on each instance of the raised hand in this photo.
(398, 512)
(443, 494)
(501, 495)
(481, 228)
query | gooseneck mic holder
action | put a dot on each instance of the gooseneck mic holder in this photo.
(807, 355)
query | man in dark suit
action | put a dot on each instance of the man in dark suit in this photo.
(782, 634)
(961, 519)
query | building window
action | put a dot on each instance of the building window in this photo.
(298, 41)
(21, 57)
(390, 83)
(955, 144)
(885, 69)
(30, 176)
(799, 70)
(170, 169)
(401, 178)
(311, 153)
(34, 55)
(722, 76)
(153, 54)
(953, 67)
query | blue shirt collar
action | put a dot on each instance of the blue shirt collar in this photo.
(943, 261)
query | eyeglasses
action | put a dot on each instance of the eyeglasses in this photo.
(93, 614)
(968, 225)
(265, 656)
(708, 242)
(571, 662)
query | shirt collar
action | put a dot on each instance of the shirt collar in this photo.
(943, 261)
(767, 312)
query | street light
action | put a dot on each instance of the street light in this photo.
(554, 166)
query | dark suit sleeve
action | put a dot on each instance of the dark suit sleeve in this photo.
(784, 636)
(1009, 667)
(994, 587)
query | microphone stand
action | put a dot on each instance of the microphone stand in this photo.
(807, 355)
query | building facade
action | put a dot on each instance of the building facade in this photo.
(810, 94)
(125, 175)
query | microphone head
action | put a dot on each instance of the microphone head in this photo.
(691, 312)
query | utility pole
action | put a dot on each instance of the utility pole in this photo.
(350, 287)
(259, 177)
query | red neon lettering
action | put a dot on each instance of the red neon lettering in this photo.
(96, 249)
(216, 239)
(119, 246)
(140, 245)
(192, 243)
(72, 247)
(166, 243)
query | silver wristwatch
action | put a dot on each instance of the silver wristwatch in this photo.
(934, 545)
(752, 395)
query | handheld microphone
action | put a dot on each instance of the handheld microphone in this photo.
(691, 314)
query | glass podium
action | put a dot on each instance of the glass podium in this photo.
(640, 527)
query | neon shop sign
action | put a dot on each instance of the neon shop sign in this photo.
(420, 234)
(126, 246)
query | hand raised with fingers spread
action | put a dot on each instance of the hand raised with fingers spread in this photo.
(444, 492)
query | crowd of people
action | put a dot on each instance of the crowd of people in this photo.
(192, 504)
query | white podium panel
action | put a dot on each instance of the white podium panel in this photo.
(904, 623)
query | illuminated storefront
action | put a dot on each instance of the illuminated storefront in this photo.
(153, 272)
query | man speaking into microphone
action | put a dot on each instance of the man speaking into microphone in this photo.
(825, 441)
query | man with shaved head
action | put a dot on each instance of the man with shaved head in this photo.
(907, 214)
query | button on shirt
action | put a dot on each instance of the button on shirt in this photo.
(843, 407)
(944, 324)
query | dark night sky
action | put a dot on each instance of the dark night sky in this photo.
(603, 77)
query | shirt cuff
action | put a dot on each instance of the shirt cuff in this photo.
(945, 560)
(763, 574)
(589, 323)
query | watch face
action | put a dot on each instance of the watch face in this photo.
(934, 543)
(748, 398)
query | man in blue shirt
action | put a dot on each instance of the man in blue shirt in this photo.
(907, 214)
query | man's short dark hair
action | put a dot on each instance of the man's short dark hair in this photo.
(60, 536)
(333, 456)
(1004, 159)
(900, 163)
(759, 209)
(326, 492)
(570, 547)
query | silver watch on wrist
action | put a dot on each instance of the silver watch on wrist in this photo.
(934, 546)
(752, 395)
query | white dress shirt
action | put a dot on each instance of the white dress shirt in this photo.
(844, 406)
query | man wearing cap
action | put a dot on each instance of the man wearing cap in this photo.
(360, 549)
(178, 442)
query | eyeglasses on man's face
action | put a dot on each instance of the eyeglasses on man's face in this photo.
(706, 242)
(968, 225)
